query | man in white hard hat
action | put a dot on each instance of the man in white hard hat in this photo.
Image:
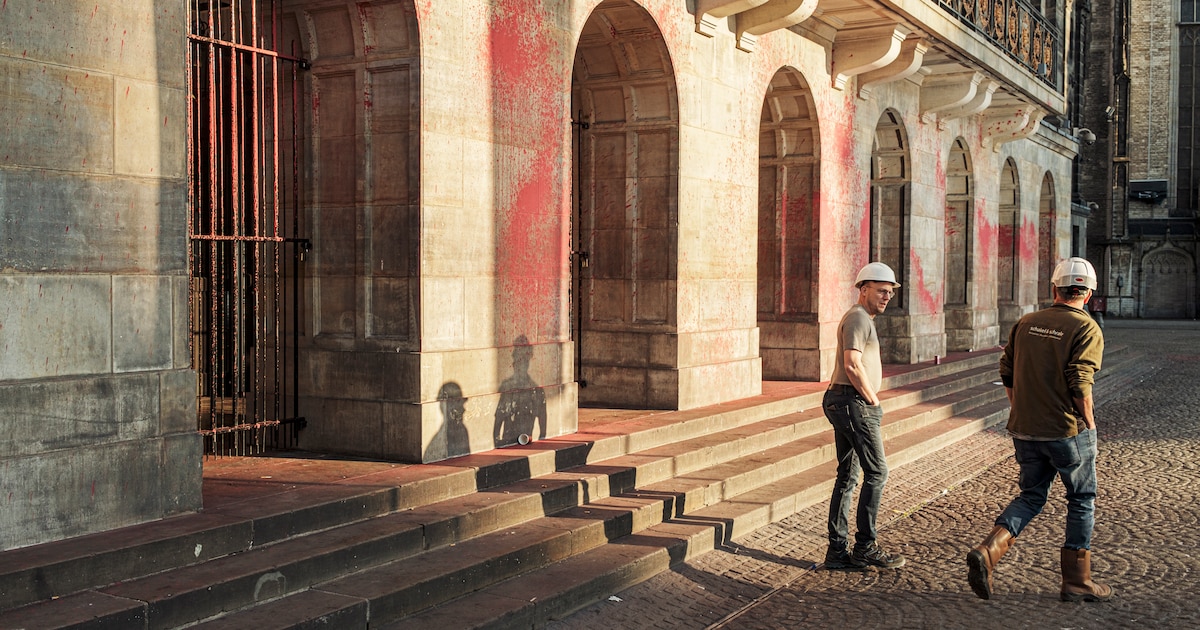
(852, 406)
(1048, 368)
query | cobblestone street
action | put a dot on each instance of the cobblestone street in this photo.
(1144, 545)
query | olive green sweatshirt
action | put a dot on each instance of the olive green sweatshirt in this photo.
(1052, 356)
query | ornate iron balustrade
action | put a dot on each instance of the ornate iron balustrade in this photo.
(1018, 29)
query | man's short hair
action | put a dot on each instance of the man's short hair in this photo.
(1071, 293)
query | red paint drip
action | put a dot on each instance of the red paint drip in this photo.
(1028, 242)
(985, 236)
(528, 117)
(930, 302)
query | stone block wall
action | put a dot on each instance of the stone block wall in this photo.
(97, 398)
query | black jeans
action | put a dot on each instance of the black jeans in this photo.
(859, 446)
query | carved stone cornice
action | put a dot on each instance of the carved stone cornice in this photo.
(1020, 123)
(982, 100)
(860, 50)
(949, 91)
(709, 11)
(912, 52)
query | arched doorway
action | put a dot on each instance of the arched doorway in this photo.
(788, 205)
(959, 247)
(889, 231)
(1008, 244)
(1047, 252)
(1168, 284)
(624, 252)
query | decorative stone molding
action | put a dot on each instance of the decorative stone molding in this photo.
(1015, 124)
(912, 53)
(753, 17)
(949, 91)
(774, 15)
(861, 50)
(982, 100)
(708, 12)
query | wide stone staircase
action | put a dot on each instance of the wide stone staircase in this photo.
(514, 537)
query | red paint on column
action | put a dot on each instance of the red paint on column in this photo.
(527, 85)
(985, 236)
(1028, 243)
(930, 302)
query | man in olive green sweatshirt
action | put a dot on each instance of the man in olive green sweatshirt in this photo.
(1048, 368)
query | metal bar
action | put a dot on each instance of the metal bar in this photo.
(245, 48)
(298, 256)
(242, 427)
(238, 238)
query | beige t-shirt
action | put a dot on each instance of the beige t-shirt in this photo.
(857, 332)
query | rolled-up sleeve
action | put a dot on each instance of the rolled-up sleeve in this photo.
(1086, 355)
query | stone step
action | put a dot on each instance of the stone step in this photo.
(466, 514)
(195, 592)
(58, 569)
(403, 588)
(559, 588)
(576, 582)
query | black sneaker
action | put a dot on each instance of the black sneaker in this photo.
(875, 556)
(842, 559)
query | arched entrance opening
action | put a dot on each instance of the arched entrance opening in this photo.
(889, 230)
(288, 205)
(788, 207)
(1008, 248)
(959, 245)
(1168, 284)
(624, 225)
(1047, 252)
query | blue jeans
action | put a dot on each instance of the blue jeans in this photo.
(1073, 459)
(859, 446)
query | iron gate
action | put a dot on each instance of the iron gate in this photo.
(244, 225)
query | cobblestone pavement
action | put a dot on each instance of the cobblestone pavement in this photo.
(1144, 544)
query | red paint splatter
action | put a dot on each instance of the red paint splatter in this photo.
(930, 302)
(532, 197)
(985, 236)
(1028, 243)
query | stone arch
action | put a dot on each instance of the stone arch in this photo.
(361, 206)
(890, 177)
(959, 248)
(626, 161)
(1047, 255)
(1168, 283)
(788, 207)
(889, 239)
(1008, 248)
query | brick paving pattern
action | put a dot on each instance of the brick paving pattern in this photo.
(1144, 545)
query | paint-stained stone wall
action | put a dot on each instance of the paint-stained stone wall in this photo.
(97, 400)
(496, 164)
(439, 185)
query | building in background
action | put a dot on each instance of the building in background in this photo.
(1143, 173)
(412, 230)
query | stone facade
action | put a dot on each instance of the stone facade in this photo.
(515, 209)
(97, 395)
(1143, 236)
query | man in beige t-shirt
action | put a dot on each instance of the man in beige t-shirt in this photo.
(852, 406)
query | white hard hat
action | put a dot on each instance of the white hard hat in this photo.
(1074, 272)
(876, 272)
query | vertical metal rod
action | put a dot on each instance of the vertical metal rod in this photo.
(214, 341)
(296, 260)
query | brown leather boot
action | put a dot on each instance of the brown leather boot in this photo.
(983, 558)
(1077, 578)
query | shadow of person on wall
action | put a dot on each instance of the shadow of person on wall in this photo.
(452, 438)
(522, 402)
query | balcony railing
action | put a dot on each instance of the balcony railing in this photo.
(1018, 29)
